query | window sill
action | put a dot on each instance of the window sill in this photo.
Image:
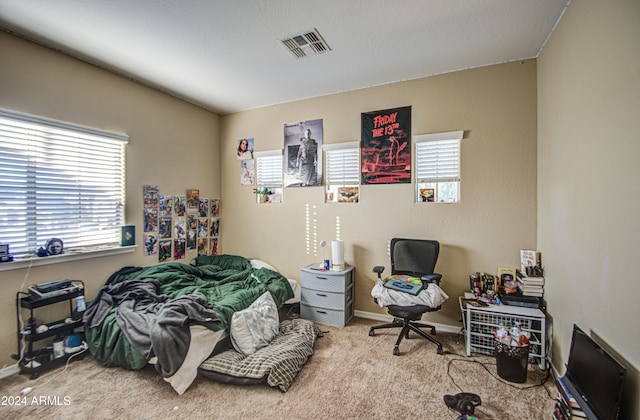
(69, 255)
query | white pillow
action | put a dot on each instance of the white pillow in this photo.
(261, 264)
(255, 327)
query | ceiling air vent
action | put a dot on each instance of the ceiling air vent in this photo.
(305, 43)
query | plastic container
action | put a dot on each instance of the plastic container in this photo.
(58, 347)
(511, 362)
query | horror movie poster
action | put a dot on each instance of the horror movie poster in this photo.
(303, 153)
(386, 146)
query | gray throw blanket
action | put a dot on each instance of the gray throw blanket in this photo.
(153, 325)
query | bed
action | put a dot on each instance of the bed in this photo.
(172, 315)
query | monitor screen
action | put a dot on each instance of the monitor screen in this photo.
(595, 374)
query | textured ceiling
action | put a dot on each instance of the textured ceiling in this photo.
(226, 55)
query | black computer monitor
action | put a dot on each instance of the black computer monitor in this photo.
(597, 377)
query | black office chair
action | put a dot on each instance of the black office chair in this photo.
(417, 258)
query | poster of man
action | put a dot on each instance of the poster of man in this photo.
(386, 146)
(303, 153)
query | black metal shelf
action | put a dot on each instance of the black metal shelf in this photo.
(43, 357)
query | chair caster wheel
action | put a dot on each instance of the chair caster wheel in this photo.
(372, 333)
(396, 351)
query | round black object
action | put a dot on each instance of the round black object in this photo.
(464, 402)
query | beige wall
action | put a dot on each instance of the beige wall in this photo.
(495, 106)
(588, 190)
(172, 144)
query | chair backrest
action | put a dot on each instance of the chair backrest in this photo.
(413, 256)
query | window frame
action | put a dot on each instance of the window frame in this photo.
(269, 191)
(32, 148)
(335, 155)
(440, 172)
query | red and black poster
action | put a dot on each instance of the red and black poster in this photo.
(386, 146)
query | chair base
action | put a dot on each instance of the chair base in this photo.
(408, 325)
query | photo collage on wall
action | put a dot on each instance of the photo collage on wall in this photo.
(174, 224)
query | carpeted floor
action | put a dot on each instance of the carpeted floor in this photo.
(349, 376)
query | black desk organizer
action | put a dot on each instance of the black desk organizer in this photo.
(44, 356)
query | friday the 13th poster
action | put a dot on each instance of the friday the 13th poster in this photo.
(386, 146)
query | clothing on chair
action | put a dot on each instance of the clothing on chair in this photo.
(433, 296)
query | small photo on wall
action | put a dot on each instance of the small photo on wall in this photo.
(166, 205)
(247, 172)
(192, 220)
(245, 149)
(203, 207)
(203, 246)
(179, 205)
(214, 246)
(203, 227)
(165, 227)
(150, 244)
(215, 227)
(193, 199)
(164, 250)
(179, 249)
(215, 207)
(192, 236)
(151, 220)
(179, 229)
(150, 193)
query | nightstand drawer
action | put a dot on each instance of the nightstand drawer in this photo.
(322, 299)
(326, 316)
(324, 280)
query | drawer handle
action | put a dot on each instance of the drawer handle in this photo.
(321, 295)
(321, 312)
(321, 278)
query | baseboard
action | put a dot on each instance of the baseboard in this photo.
(9, 371)
(387, 318)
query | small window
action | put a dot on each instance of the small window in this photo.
(268, 176)
(438, 167)
(342, 168)
(59, 180)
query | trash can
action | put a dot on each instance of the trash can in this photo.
(511, 362)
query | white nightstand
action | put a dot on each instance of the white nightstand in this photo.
(326, 296)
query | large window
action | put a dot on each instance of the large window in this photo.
(59, 180)
(342, 172)
(438, 167)
(269, 176)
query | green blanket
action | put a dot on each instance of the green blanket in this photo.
(226, 282)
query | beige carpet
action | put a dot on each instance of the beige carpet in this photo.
(350, 376)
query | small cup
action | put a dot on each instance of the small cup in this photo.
(327, 264)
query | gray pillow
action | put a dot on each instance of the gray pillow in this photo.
(254, 328)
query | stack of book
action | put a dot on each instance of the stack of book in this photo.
(530, 286)
(529, 279)
(566, 406)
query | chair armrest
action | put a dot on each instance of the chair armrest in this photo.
(431, 278)
(378, 269)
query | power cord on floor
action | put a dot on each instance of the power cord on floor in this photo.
(484, 366)
(28, 389)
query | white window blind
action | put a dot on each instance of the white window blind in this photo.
(269, 168)
(438, 160)
(438, 165)
(343, 165)
(59, 180)
(342, 172)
